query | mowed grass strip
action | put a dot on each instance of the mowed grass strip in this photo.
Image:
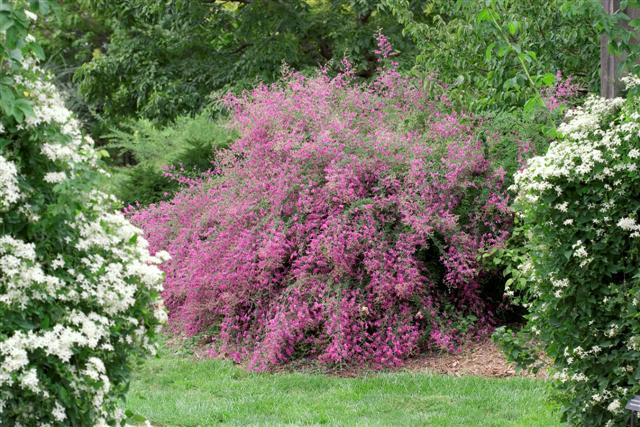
(177, 390)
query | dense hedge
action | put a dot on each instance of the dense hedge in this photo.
(578, 206)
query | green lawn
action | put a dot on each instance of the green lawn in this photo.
(178, 391)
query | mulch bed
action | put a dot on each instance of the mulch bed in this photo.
(479, 358)
(482, 359)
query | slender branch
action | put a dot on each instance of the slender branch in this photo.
(506, 39)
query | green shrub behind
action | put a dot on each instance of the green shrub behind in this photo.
(189, 145)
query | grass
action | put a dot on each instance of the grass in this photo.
(175, 390)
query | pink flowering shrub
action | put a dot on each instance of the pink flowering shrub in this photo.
(334, 228)
(560, 93)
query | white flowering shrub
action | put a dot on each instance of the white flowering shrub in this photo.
(79, 291)
(579, 208)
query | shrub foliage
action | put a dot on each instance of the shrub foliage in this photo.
(79, 291)
(336, 229)
(578, 207)
(488, 52)
(188, 146)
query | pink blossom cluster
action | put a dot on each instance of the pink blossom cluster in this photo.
(385, 49)
(560, 93)
(334, 230)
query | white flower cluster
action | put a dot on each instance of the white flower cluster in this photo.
(588, 153)
(55, 177)
(113, 289)
(69, 152)
(575, 157)
(629, 224)
(586, 118)
(559, 285)
(96, 294)
(614, 406)
(48, 104)
(630, 81)
(22, 279)
(9, 192)
(565, 376)
(32, 16)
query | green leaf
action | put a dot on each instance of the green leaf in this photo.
(5, 22)
(13, 35)
(532, 105)
(43, 6)
(25, 107)
(548, 79)
(16, 55)
(6, 93)
(38, 51)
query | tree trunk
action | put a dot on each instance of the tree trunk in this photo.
(610, 85)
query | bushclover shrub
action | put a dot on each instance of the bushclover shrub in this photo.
(344, 225)
(578, 208)
(79, 291)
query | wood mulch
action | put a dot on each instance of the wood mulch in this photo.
(482, 359)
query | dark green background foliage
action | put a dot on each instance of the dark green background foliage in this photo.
(160, 59)
(121, 61)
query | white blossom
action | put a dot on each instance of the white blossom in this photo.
(30, 381)
(579, 250)
(614, 406)
(59, 413)
(32, 16)
(55, 177)
(628, 224)
(9, 192)
(630, 81)
(562, 207)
